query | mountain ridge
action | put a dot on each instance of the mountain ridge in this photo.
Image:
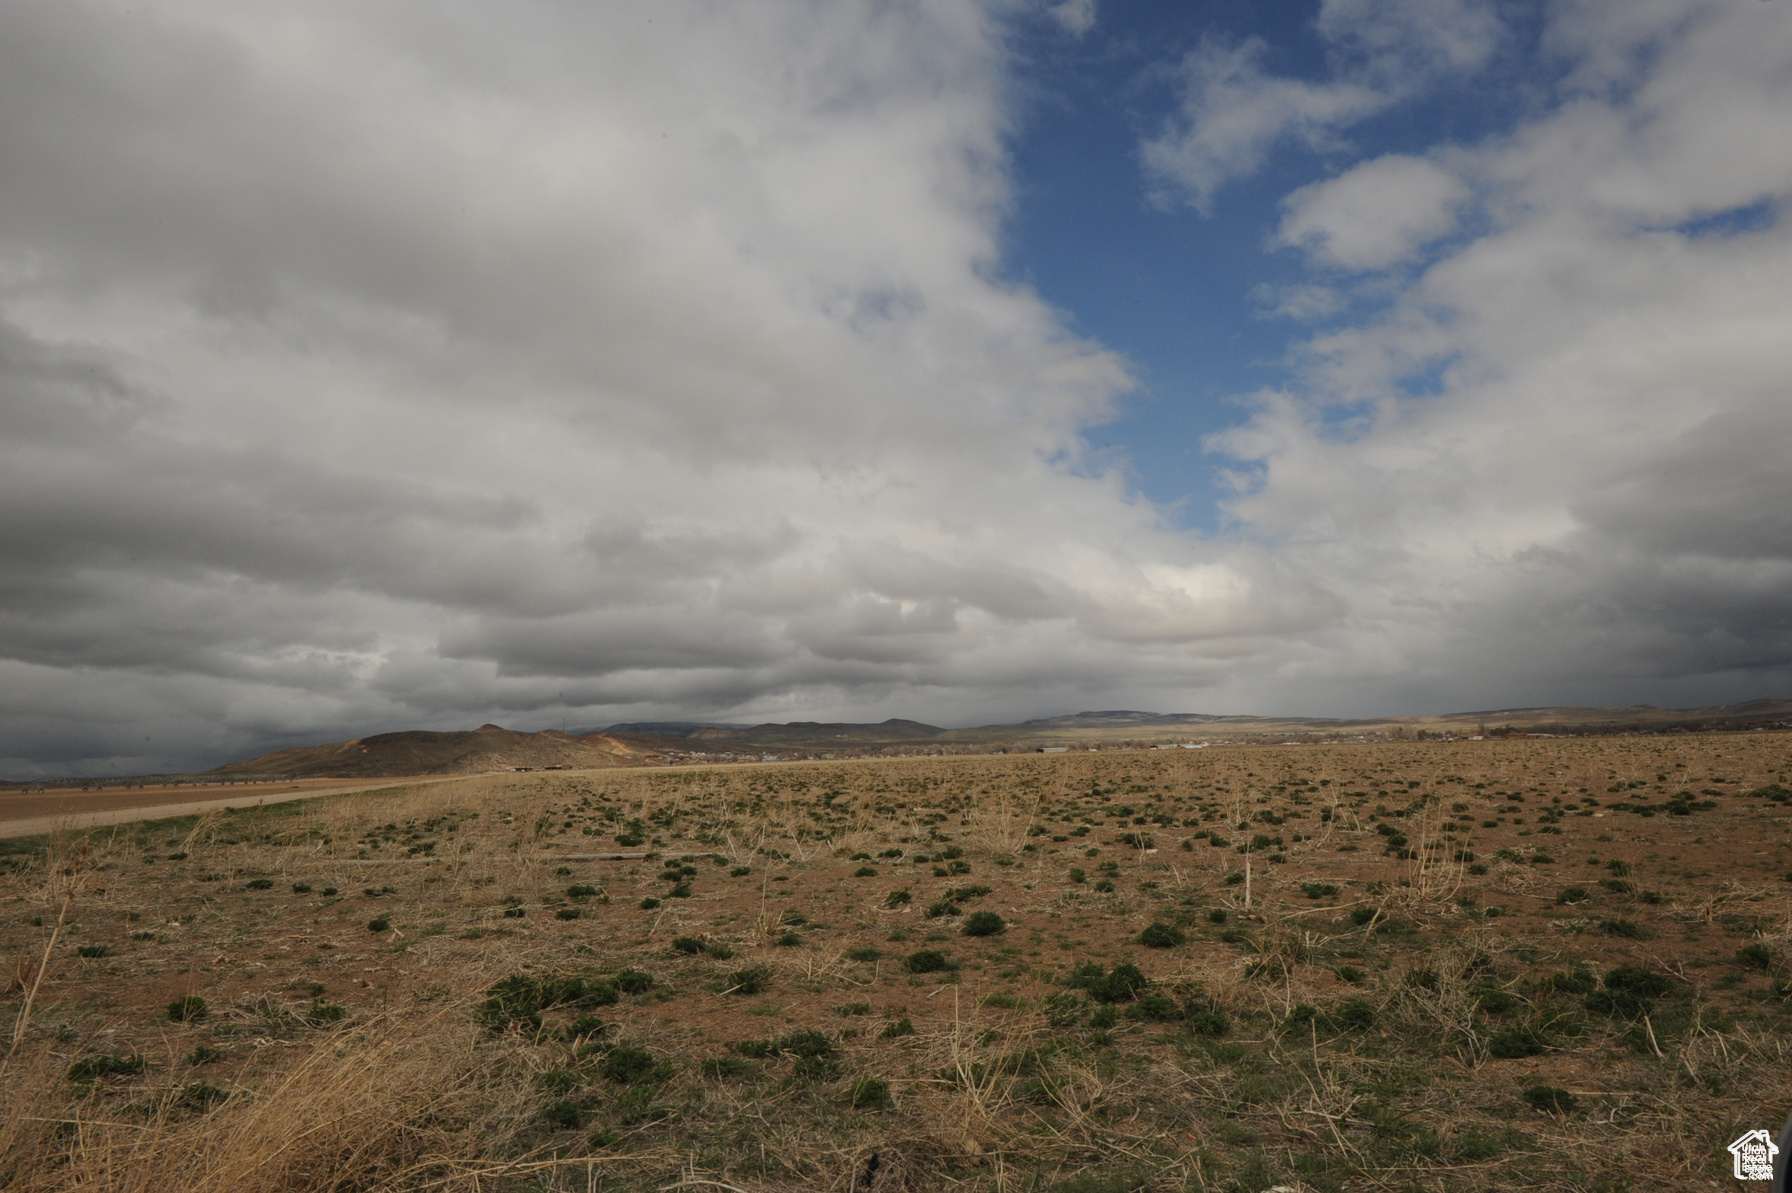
(645, 743)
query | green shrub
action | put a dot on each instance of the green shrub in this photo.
(1495, 1002)
(687, 944)
(91, 951)
(750, 981)
(816, 1068)
(378, 924)
(1160, 935)
(1319, 890)
(870, 1093)
(719, 1067)
(1577, 982)
(897, 1028)
(865, 953)
(1153, 1007)
(1204, 1018)
(1754, 956)
(865, 872)
(521, 998)
(187, 1007)
(323, 1012)
(1573, 894)
(564, 1115)
(1120, 984)
(1550, 1099)
(647, 904)
(1513, 1043)
(633, 981)
(1356, 1015)
(558, 1081)
(1628, 992)
(805, 1042)
(928, 961)
(898, 898)
(580, 891)
(93, 1068)
(568, 913)
(1639, 980)
(200, 1096)
(984, 923)
(301, 888)
(259, 884)
(585, 1027)
(1217, 916)
(633, 1066)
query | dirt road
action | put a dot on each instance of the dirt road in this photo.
(25, 814)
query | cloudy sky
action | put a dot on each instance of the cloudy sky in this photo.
(380, 365)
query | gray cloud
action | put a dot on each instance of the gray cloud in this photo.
(369, 367)
(1591, 503)
(364, 368)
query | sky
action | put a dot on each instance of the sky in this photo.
(418, 365)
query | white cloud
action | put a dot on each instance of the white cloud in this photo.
(1588, 502)
(1412, 37)
(1378, 213)
(1303, 301)
(1233, 114)
(1076, 16)
(364, 367)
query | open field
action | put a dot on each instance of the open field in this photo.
(1528, 964)
(33, 812)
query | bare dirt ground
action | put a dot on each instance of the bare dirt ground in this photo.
(25, 813)
(1533, 964)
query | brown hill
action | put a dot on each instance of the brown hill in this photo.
(421, 752)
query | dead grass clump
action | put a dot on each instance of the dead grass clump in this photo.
(395, 1103)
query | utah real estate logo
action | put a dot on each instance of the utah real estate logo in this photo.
(1754, 1154)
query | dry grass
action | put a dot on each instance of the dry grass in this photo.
(1376, 1035)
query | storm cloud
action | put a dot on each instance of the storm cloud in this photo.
(415, 365)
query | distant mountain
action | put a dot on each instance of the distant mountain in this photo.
(421, 752)
(635, 743)
(667, 728)
(801, 736)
